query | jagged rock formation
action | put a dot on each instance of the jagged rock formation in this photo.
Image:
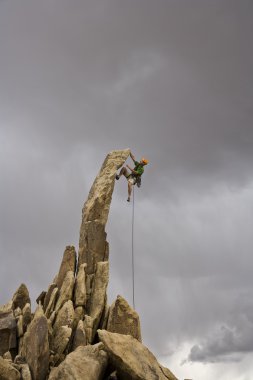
(60, 340)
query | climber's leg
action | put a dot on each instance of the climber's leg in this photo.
(130, 186)
(123, 171)
(131, 182)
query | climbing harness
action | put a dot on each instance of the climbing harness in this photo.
(133, 248)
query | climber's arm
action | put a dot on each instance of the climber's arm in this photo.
(132, 170)
(132, 156)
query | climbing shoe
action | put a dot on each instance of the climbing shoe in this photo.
(117, 176)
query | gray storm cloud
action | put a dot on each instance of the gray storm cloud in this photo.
(226, 344)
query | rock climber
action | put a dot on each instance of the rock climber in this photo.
(134, 176)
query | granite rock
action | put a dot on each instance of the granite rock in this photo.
(21, 297)
(7, 371)
(36, 346)
(8, 331)
(131, 358)
(66, 290)
(85, 363)
(123, 319)
(68, 264)
(80, 286)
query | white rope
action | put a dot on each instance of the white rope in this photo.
(133, 249)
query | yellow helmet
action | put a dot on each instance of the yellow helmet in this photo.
(144, 161)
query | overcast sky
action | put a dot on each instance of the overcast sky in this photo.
(172, 80)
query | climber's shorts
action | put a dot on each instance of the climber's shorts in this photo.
(131, 179)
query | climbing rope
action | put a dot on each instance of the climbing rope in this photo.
(133, 247)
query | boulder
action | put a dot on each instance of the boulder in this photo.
(52, 317)
(61, 339)
(131, 358)
(51, 304)
(17, 312)
(89, 290)
(48, 295)
(79, 314)
(104, 318)
(21, 297)
(79, 337)
(35, 345)
(40, 299)
(27, 315)
(85, 363)
(80, 287)
(20, 345)
(168, 373)
(65, 316)
(7, 371)
(8, 328)
(7, 356)
(98, 299)
(66, 290)
(20, 329)
(123, 319)
(6, 307)
(25, 372)
(88, 328)
(68, 264)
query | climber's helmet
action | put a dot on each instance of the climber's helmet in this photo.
(144, 161)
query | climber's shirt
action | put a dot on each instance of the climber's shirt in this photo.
(138, 168)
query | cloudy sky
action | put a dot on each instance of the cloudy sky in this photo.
(172, 80)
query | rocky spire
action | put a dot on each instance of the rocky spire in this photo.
(92, 243)
(61, 340)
